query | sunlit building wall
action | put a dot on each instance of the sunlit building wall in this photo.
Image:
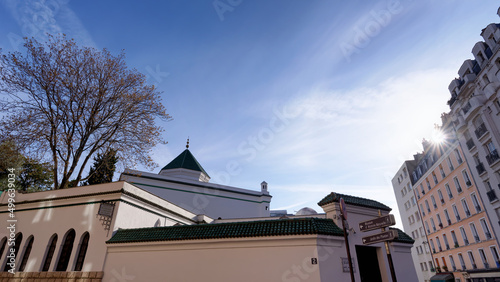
(410, 218)
(475, 109)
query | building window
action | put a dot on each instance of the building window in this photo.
(440, 223)
(432, 246)
(82, 251)
(427, 206)
(452, 261)
(472, 260)
(433, 202)
(466, 207)
(433, 225)
(447, 216)
(455, 211)
(459, 158)
(448, 191)
(17, 243)
(457, 185)
(483, 258)
(413, 202)
(495, 255)
(441, 170)
(486, 229)
(417, 216)
(454, 237)
(65, 254)
(466, 178)
(422, 209)
(480, 127)
(446, 244)
(435, 178)
(462, 262)
(492, 153)
(427, 227)
(422, 189)
(474, 232)
(26, 254)
(428, 184)
(450, 164)
(50, 252)
(439, 244)
(440, 195)
(475, 202)
(464, 236)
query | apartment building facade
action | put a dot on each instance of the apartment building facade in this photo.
(459, 232)
(410, 218)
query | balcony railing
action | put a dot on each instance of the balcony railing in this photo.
(480, 168)
(470, 144)
(492, 157)
(480, 131)
(452, 100)
(492, 196)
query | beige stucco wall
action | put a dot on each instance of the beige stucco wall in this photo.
(283, 258)
(44, 214)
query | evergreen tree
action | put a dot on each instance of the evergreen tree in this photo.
(30, 175)
(103, 169)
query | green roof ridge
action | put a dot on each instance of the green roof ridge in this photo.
(402, 236)
(185, 160)
(262, 228)
(353, 200)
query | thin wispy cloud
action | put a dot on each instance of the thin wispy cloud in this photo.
(38, 19)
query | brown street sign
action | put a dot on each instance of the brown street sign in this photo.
(377, 223)
(380, 237)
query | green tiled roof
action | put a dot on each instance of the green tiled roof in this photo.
(185, 160)
(278, 227)
(352, 200)
(403, 237)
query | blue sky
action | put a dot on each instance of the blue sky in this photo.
(310, 96)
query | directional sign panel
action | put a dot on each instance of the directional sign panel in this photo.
(377, 223)
(380, 237)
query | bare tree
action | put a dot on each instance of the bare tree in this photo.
(71, 102)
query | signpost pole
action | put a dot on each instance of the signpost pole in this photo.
(344, 217)
(389, 256)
